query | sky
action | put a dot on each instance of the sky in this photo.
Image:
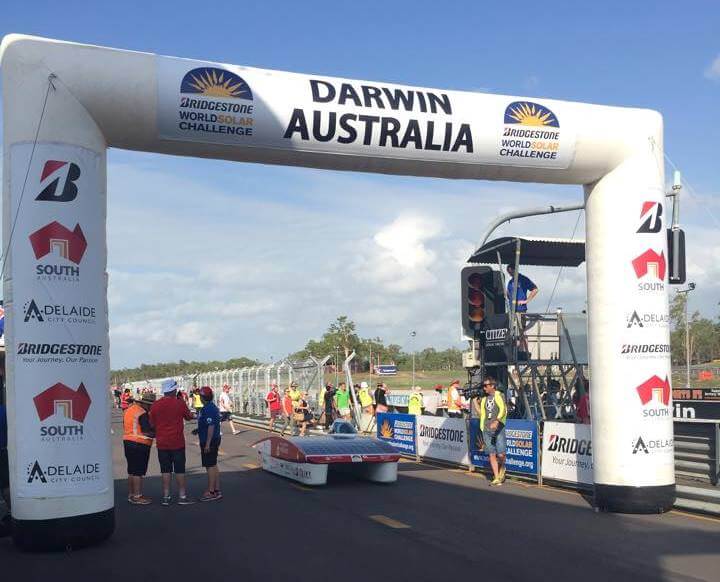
(213, 259)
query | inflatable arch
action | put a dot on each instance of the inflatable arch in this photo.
(64, 104)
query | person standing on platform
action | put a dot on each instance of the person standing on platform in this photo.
(493, 416)
(366, 401)
(166, 417)
(526, 292)
(137, 441)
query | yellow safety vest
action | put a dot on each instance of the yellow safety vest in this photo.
(502, 409)
(415, 403)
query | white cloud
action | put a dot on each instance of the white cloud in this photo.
(712, 71)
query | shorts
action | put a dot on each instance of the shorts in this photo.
(344, 411)
(275, 413)
(172, 461)
(4, 469)
(225, 416)
(138, 457)
(497, 447)
(210, 459)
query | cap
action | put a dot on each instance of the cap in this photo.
(147, 398)
(293, 384)
(454, 382)
(169, 386)
(438, 386)
(206, 393)
(363, 384)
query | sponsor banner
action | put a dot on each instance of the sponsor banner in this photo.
(59, 346)
(229, 104)
(398, 430)
(444, 439)
(567, 452)
(696, 410)
(522, 446)
(710, 394)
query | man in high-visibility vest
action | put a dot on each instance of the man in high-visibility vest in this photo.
(415, 401)
(137, 441)
(493, 416)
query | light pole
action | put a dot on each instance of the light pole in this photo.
(337, 374)
(686, 292)
(412, 335)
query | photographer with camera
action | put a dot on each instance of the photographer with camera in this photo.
(493, 416)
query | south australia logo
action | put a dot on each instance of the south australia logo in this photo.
(60, 249)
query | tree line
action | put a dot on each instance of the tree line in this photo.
(339, 341)
(704, 334)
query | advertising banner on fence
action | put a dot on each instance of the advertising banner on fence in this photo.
(444, 439)
(398, 430)
(522, 446)
(567, 452)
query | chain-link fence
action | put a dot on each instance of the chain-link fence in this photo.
(250, 385)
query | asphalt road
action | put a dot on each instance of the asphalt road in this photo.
(434, 524)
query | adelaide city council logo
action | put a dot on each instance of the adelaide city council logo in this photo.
(647, 319)
(55, 173)
(74, 474)
(59, 241)
(58, 313)
(215, 101)
(530, 114)
(650, 267)
(654, 395)
(62, 404)
(650, 217)
(649, 446)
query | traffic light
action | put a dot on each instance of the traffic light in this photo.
(481, 296)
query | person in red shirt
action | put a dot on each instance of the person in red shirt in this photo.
(166, 417)
(273, 402)
(287, 410)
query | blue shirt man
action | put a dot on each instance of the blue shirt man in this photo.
(525, 293)
(209, 416)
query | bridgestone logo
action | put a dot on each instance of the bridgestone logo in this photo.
(645, 349)
(442, 434)
(560, 444)
(26, 349)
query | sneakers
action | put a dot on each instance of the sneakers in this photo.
(185, 500)
(166, 500)
(496, 482)
(211, 496)
(139, 500)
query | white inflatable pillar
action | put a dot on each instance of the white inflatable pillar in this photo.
(627, 281)
(56, 335)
